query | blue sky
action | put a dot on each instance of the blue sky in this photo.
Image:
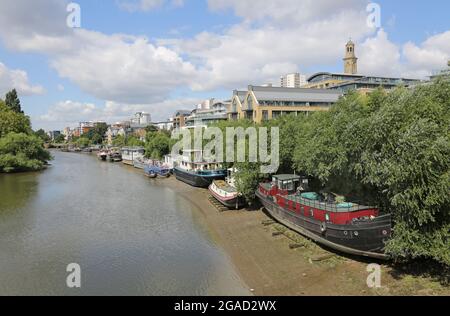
(181, 52)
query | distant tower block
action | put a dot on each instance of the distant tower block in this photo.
(350, 60)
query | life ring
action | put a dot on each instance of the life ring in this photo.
(323, 227)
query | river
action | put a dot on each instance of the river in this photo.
(128, 235)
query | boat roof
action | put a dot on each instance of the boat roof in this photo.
(133, 148)
(286, 177)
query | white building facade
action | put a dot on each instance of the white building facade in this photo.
(294, 80)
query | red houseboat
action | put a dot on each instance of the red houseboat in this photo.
(348, 227)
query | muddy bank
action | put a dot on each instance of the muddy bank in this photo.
(272, 260)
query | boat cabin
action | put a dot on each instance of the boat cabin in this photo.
(286, 183)
(200, 167)
(290, 192)
(129, 154)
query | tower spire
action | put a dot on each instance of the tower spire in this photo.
(350, 60)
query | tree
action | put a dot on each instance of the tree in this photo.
(119, 141)
(12, 101)
(11, 121)
(42, 135)
(97, 133)
(133, 141)
(20, 148)
(22, 152)
(151, 128)
(83, 142)
(158, 145)
(60, 139)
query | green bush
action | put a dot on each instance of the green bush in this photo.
(22, 152)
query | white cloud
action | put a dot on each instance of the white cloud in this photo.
(122, 68)
(380, 56)
(257, 51)
(431, 55)
(272, 38)
(287, 12)
(69, 113)
(116, 67)
(17, 79)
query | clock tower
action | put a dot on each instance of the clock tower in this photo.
(350, 60)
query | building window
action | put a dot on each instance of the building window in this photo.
(250, 102)
(265, 115)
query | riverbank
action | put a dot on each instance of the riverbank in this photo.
(261, 253)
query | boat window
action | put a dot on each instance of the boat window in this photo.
(289, 185)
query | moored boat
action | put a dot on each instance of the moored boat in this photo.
(114, 156)
(226, 193)
(190, 169)
(155, 170)
(347, 227)
(199, 175)
(141, 163)
(169, 161)
(130, 154)
(102, 155)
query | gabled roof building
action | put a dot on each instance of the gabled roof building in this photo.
(265, 103)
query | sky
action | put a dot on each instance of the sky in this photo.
(160, 56)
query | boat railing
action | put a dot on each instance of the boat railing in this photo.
(323, 205)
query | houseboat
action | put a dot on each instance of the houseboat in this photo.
(114, 156)
(347, 227)
(226, 193)
(130, 154)
(153, 171)
(142, 163)
(198, 174)
(170, 160)
(102, 155)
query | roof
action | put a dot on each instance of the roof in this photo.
(295, 94)
(286, 177)
(240, 94)
(356, 76)
(331, 74)
(183, 112)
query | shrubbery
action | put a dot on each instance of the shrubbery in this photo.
(20, 148)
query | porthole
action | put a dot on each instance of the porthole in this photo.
(356, 234)
(345, 233)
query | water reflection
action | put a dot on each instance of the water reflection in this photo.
(130, 237)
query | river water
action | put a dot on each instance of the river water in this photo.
(129, 236)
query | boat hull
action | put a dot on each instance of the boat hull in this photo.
(365, 240)
(155, 171)
(139, 165)
(195, 180)
(236, 202)
(127, 162)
